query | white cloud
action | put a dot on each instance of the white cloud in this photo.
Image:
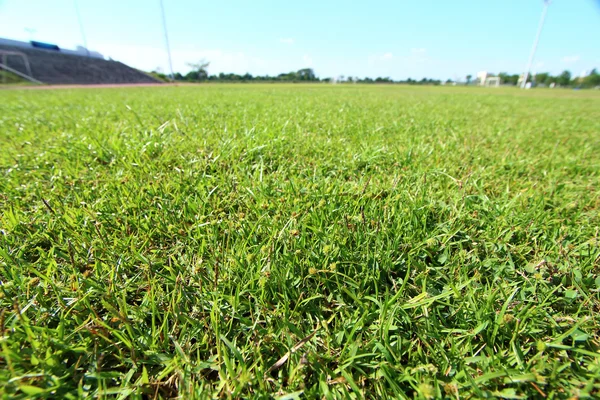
(571, 59)
(378, 59)
(289, 41)
(539, 64)
(307, 60)
(149, 58)
(416, 56)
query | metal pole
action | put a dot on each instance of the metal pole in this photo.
(22, 75)
(535, 43)
(31, 31)
(81, 27)
(164, 21)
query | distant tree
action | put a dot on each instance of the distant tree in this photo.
(306, 74)
(199, 71)
(191, 76)
(551, 79)
(564, 79)
(542, 78)
(383, 80)
(504, 78)
(593, 79)
(289, 77)
(509, 79)
(159, 75)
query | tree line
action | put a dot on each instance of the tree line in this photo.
(199, 73)
(546, 79)
(302, 75)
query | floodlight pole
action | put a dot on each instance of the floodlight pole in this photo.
(535, 44)
(31, 31)
(164, 21)
(81, 27)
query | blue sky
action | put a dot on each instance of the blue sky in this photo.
(396, 38)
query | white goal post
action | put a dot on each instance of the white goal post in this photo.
(493, 81)
(4, 65)
(486, 80)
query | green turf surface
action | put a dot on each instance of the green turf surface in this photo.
(313, 241)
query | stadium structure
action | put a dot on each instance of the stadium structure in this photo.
(47, 63)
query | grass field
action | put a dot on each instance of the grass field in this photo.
(299, 241)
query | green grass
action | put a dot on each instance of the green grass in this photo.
(379, 241)
(8, 78)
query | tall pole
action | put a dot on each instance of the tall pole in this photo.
(164, 21)
(81, 27)
(31, 31)
(535, 44)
